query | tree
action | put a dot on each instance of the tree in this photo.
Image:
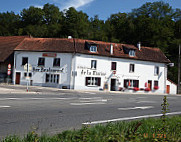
(9, 23)
(76, 24)
(53, 19)
(97, 29)
(32, 16)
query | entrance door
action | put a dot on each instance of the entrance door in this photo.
(18, 75)
(150, 84)
(168, 89)
(113, 84)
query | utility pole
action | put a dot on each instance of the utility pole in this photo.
(178, 87)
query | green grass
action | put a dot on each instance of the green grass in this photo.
(133, 131)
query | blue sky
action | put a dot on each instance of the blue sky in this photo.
(102, 8)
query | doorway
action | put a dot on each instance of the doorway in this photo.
(18, 75)
(113, 84)
(150, 84)
(168, 89)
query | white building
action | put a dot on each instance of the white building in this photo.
(90, 65)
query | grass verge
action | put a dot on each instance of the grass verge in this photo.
(151, 129)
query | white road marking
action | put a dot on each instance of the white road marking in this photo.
(5, 106)
(101, 100)
(88, 103)
(3, 99)
(129, 118)
(89, 92)
(146, 102)
(132, 108)
(90, 98)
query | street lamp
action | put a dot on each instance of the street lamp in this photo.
(178, 84)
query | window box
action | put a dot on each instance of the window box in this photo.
(136, 89)
(156, 87)
(147, 89)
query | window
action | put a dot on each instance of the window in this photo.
(131, 83)
(155, 83)
(132, 53)
(93, 48)
(56, 62)
(52, 78)
(24, 60)
(47, 78)
(93, 81)
(156, 71)
(113, 66)
(131, 68)
(25, 74)
(93, 64)
(41, 62)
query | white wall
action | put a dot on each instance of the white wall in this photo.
(173, 87)
(38, 78)
(144, 71)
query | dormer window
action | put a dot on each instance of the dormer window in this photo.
(132, 53)
(93, 48)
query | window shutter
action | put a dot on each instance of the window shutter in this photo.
(86, 81)
(99, 81)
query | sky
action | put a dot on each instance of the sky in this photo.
(102, 8)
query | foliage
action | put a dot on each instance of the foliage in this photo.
(154, 24)
(137, 131)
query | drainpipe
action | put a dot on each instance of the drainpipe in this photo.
(73, 66)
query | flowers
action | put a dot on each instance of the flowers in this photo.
(136, 89)
(147, 89)
(156, 87)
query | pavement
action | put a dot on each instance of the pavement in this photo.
(21, 89)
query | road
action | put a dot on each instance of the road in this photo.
(54, 110)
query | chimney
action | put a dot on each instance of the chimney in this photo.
(139, 45)
(111, 49)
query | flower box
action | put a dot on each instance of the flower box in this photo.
(147, 89)
(136, 89)
(156, 87)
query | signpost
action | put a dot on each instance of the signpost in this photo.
(9, 72)
(27, 68)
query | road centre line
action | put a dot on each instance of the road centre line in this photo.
(90, 98)
(128, 118)
(87, 103)
(146, 102)
(133, 108)
(101, 100)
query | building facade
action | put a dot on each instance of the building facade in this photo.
(90, 65)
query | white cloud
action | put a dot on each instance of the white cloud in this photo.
(38, 6)
(65, 4)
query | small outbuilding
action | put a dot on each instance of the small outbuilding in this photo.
(171, 87)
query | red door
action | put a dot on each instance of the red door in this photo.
(168, 89)
(18, 75)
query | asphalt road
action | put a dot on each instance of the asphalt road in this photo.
(51, 111)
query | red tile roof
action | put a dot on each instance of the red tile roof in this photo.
(47, 45)
(64, 45)
(146, 53)
(8, 44)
